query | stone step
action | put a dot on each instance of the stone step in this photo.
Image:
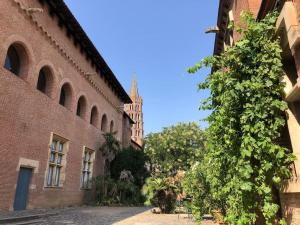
(15, 219)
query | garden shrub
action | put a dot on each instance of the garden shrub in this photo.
(161, 193)
(110, 191)
(132, 160)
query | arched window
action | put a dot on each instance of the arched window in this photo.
(104, 123)
(16, 60)
(65, 98)
(111, 127)
(81, 107)
(12, 61)
(45, 80)
(94, 116)
(62, 98)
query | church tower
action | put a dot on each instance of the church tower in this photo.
(135, 111)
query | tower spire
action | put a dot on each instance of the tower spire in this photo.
(134, 90)
(135, 111)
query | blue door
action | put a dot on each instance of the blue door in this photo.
(22, 188)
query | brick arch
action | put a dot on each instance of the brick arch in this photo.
(26, 52)
(82, 103)
(104, 123)
(112, 126)
(52, 78)
(94, 116)
(69, 93)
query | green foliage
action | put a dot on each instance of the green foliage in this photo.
(160, 192)
(196, 186)
(174, 149)
(171, 152)
(111, 146)
(110, 191)
(132, 160)
(246, 165)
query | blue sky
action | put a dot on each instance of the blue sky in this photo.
(157, 40)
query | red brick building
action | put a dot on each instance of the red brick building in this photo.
(57, 98)
(288, 28)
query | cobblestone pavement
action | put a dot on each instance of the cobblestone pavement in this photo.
(113, 216)
(118, 216)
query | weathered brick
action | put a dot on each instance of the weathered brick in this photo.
(27, 116)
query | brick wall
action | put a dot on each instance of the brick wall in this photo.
(254, 6)
(127, 126)
(28, 117)
(239, 6)
(290, 203)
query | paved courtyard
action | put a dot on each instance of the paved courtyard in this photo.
(113, 216)
(118, 216)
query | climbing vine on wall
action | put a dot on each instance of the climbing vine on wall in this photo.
(246, 164)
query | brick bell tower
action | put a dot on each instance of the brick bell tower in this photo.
(135, 111)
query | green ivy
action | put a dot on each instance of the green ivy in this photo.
(246, 164)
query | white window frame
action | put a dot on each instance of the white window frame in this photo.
(87, 162)
(56, 164)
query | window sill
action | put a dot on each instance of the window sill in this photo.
(53, 187)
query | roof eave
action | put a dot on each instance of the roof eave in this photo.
(130, 120)
(133, 141)
(224, 6)
(61, 10)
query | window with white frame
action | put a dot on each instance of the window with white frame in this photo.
(87, 168)
(56, 162)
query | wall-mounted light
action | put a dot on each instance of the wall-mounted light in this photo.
(213, 30)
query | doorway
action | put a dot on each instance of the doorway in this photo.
(21, 196)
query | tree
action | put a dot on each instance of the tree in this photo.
(247, 165)
(111, 146)
(160, 192)
(109, 149)
(131, 160)
(171, 152)
(174, 149)
(117, 185)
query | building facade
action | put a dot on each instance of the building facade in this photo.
(127, 130)
(135, 111)
(57, 98)
(288, 28)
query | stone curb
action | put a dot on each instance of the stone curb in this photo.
(14, 219)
